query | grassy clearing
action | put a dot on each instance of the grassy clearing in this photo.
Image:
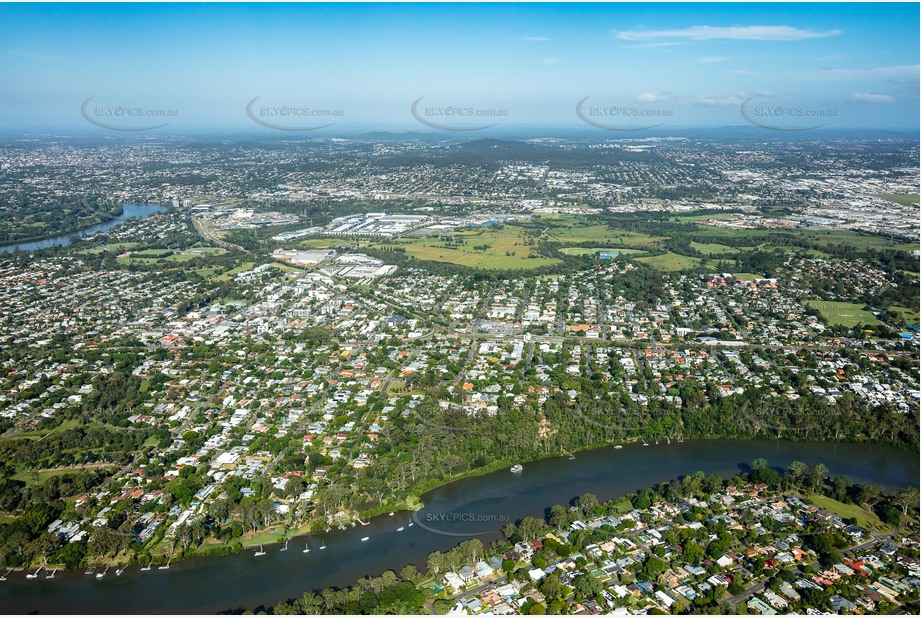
(397, 386)
(712, 248)
(856, 239)
(747, 276)
(225, 276)
(117, 246)
(604, 234)
(41, 433)
(670, 262)
(149, 255)
(843, 314)
(720, 216)
(594, 250)
(325, 242)
(286, 268)
(29, 476)
(907, 315)
(865, 519)
(901, 199)
(825, 237)
(506, 250)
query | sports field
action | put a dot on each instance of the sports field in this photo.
(670, 261)
(901, 199)
(148, 256)
(503, 248)
(843, 314)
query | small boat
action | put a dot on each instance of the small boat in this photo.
(645, 443)
(51, 574)
(618, 446)
(89, 570)
(400, 529)
(166, 566)
(147, 568)
(306, 548)
(103, 574)
(323, 546)
(5, 575)
(118, 572)
(285, 548)
(33, 575)
(516, 468)
(411, 524)
(364, 538)
(261, 551)
(390, 513)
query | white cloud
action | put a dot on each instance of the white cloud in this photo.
(24, 53)
(712, 59)
(655, 97)
(873, 97)
(892, 72)
(656, 45)
(719, 99)
(737, 33)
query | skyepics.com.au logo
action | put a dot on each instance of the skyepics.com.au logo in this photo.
(125, 117)
(461, 523)
(770, 113)
(619, 117)
(292, 117)
(457, 117)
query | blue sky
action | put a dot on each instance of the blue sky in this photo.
(697, 62)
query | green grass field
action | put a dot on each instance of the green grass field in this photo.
(117, 246)
(906, 315)
(747, 276)
(148, 256)
(843, 314)
(824, 237)
(594, 250)
(603, 234)
(716, 249)
(719, 216)
(865, 519)
(670, 262)
(324, 242)
(227, 275)
(28, 476)
(506, 250)
(902, 200)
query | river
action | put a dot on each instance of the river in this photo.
(129, 211)
(478, 504)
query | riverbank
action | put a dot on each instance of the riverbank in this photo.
(44, 241)
(243, 580)
(427, 497)
(60, 233)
